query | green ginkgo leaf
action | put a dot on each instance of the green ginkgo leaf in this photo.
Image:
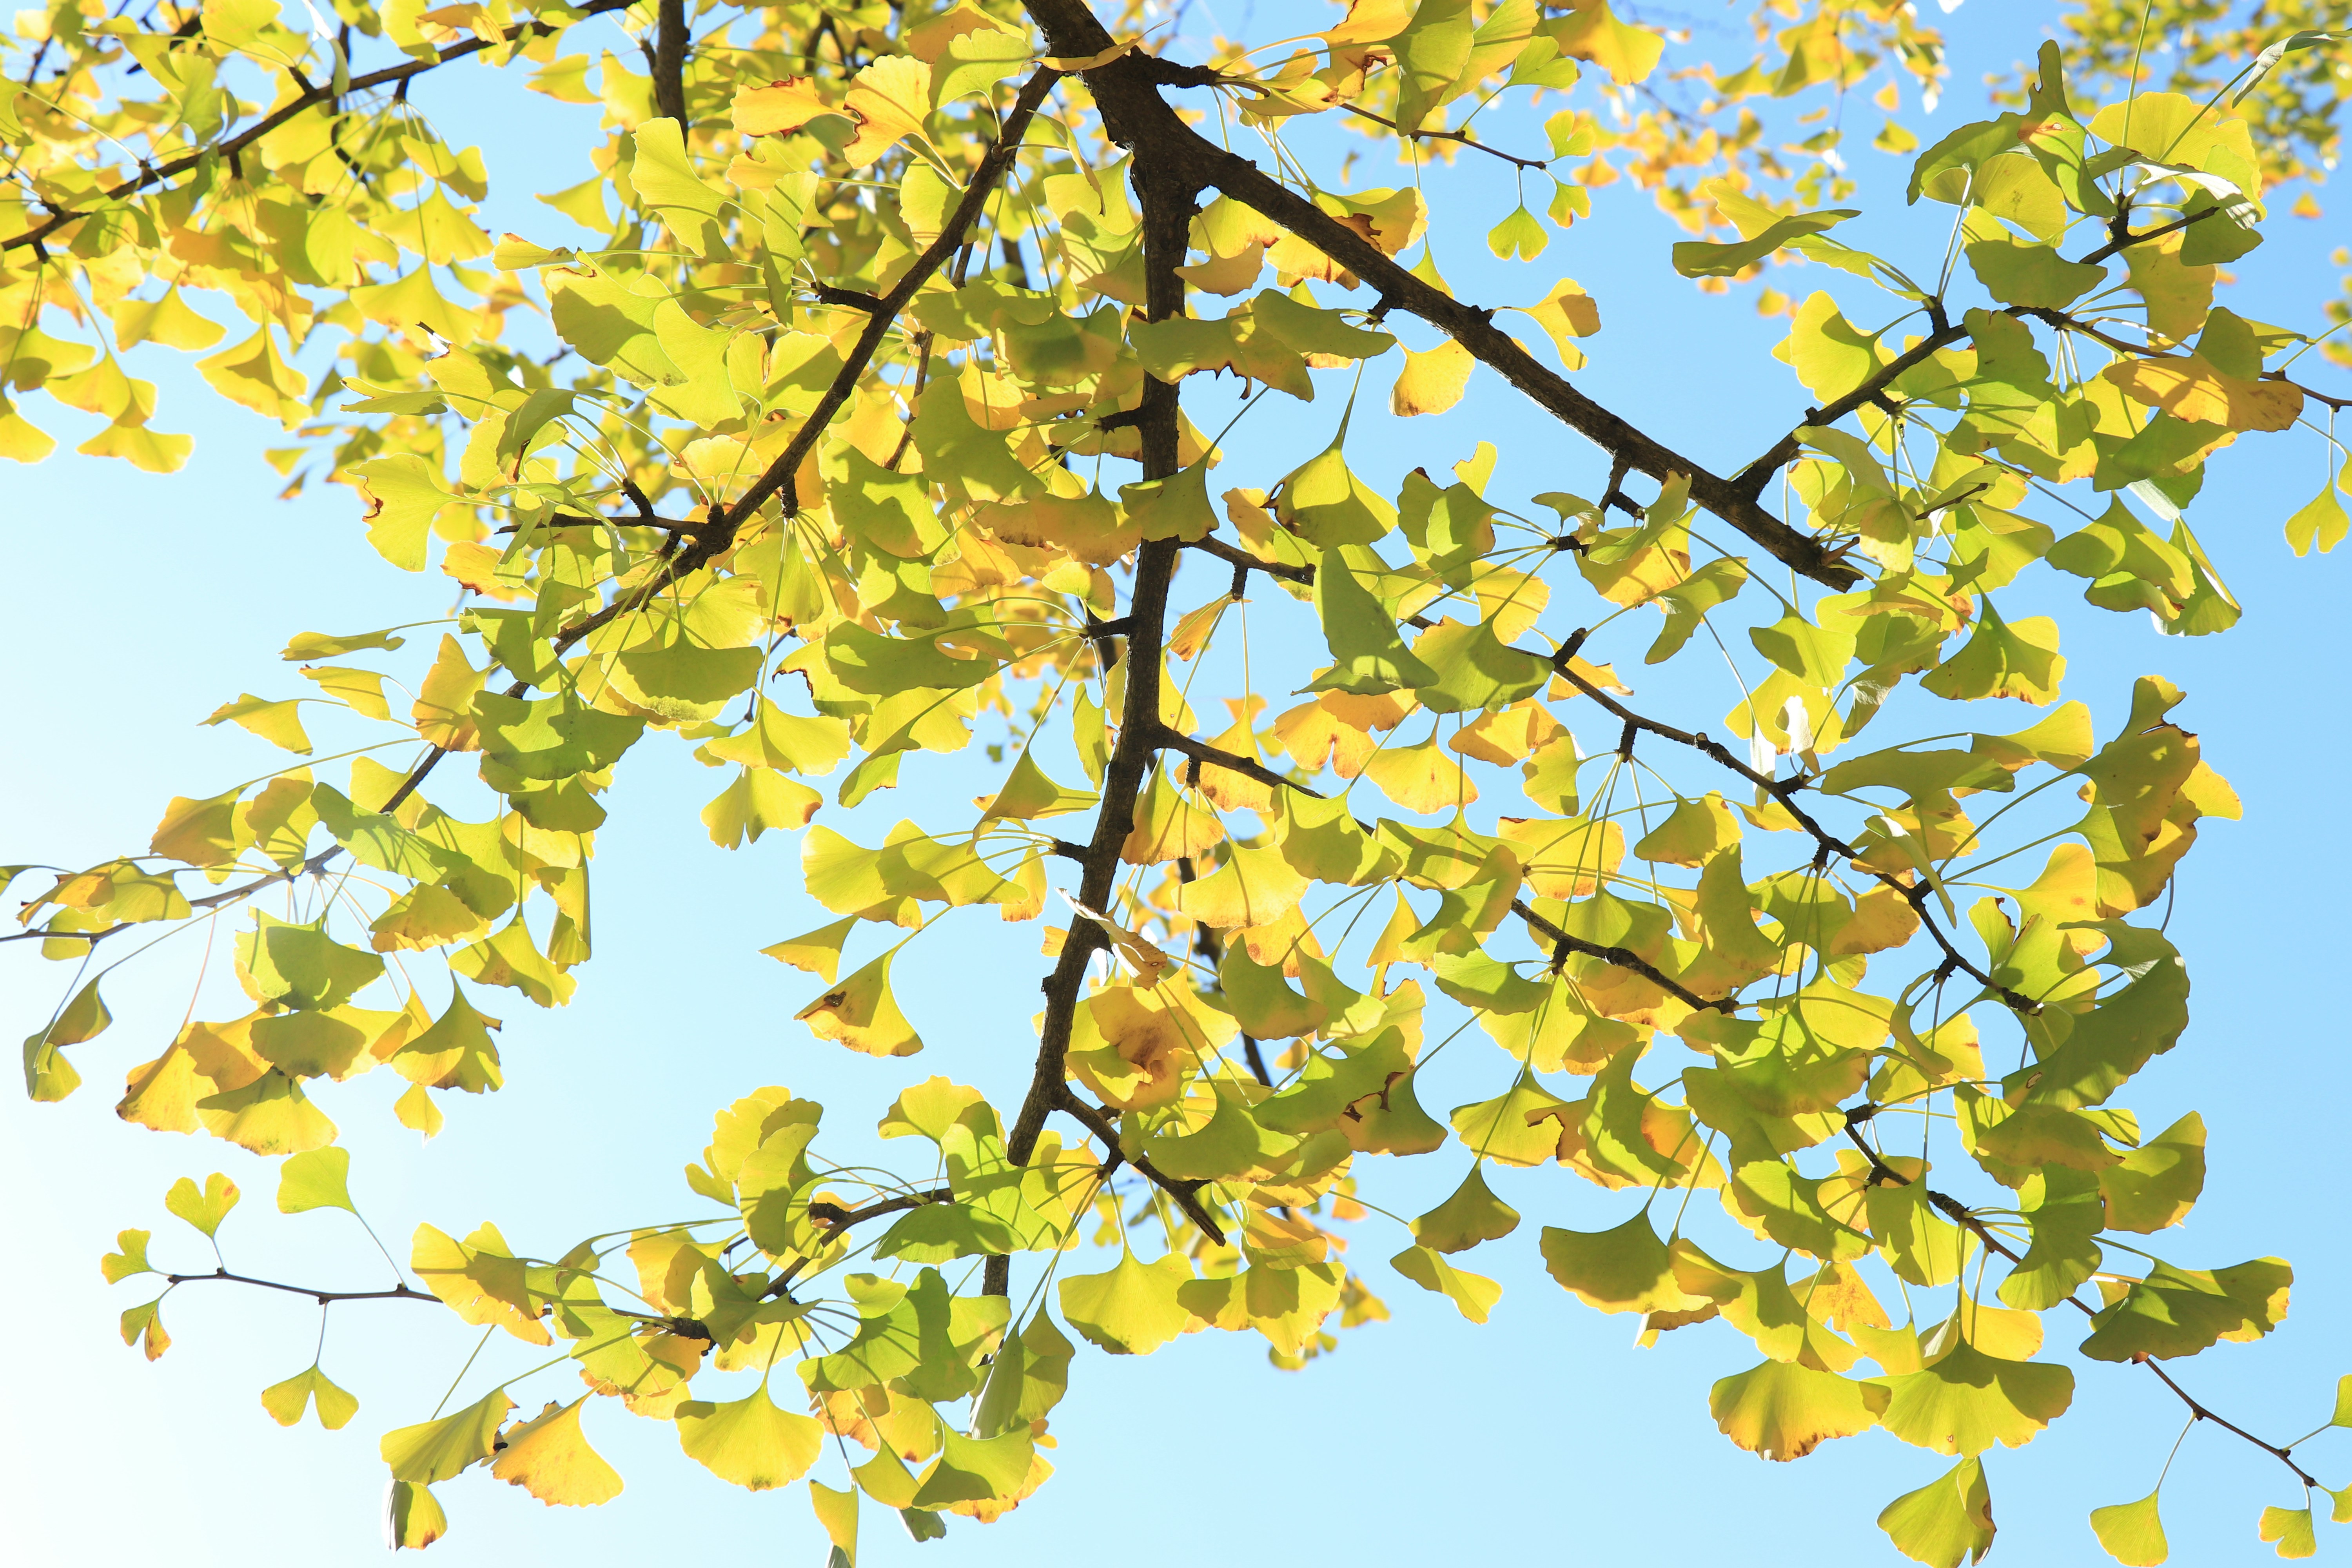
(285, 1401)
(749, 1441)
(2179, 1311)
(1944, 1521)
(1132, 1309)
(436, 1450)
(316, 1180)
(1967, 1401)
(204, 1207)
(1472, 1215)
(2131, 1533)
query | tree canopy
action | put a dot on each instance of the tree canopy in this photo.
(880, 424)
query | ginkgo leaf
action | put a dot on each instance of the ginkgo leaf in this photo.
(436, 1450)
(481, 1281)
(1253, 887)
(863, 1014)
(1131, 1309)
(1946, 1522)
(412, 1517)
(1027, 793)
(837, 1512)
(2290, 1528)
(1565, 314)
(316, 1180)
(1784, 1411)
(1625, 1269)
(749, 1441)
(203, 1207)
(1369, 656)
(280, 722)
(1702, 258)
(886, 100)
(2132, 1532)
(1592, 31)
(1473, 1294)
(817, 952)
(1433, 382)
(1967, 1401)
(2323, 523)
(2001, 659)
(974, 1470)
(550, 1458)
(2179, 1311)
(285, 1401)
(777, 107)
(129, 1257)
(1472, 1215)
(2155, 1185)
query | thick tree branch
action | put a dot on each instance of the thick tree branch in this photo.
(668, 61)
(1136, 116)
(718, 535)
(1168, 202)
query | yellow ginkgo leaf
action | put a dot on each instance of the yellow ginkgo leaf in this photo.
(862, 1014)
(1565, 314)
(1420, 778)
(778, 108)
(749, 1441)
(435, 1450)
(550, 1458)
(887, 100)
(1433, 382)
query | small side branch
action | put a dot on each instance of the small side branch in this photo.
(1562, 945)
(1243, 560)
(1457, 137)
(1916, 894)
(1958, 1213)
(398, 1293)
(1201, 752)
(1185, 1193)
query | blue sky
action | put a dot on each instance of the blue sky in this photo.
(144, 602)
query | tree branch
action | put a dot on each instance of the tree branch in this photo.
(1137, 117)
(667, 57)
(1199, 752)
(1168, 201)
(1186, 1193)
(1623, 958)
(1443, 136)
(399, 1293)
(1914, 893)
(294, 106)
(1960, 1215)
(2127, 239)
(1243, 560)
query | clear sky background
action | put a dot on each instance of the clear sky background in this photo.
(144, 602)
